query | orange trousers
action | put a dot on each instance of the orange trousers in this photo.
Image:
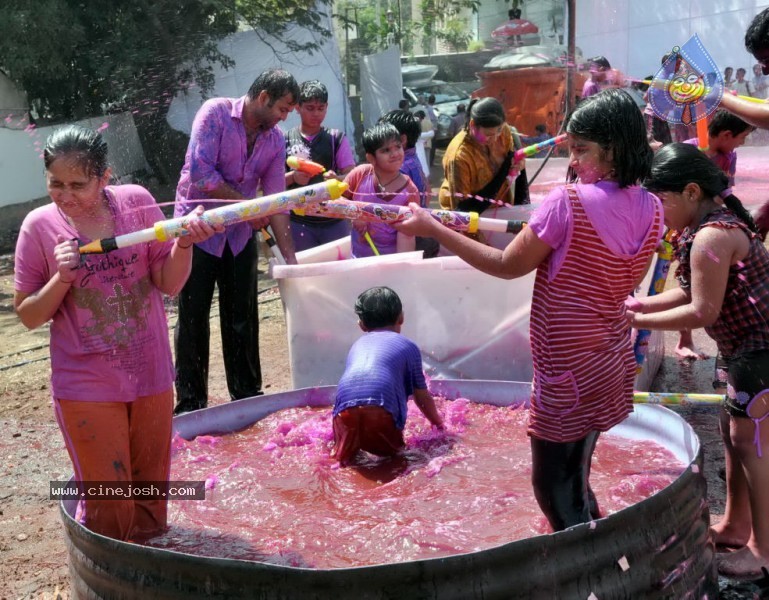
(369, 428)
(120, 441)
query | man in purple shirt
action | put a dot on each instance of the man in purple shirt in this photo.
(598, 81)
(235, 149)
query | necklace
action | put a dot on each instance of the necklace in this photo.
(383, 187)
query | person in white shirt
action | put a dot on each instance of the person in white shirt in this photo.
(741, 85)
(760, 82)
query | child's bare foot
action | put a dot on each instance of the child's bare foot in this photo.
(728, 538)
(689, 352)
(744, 563)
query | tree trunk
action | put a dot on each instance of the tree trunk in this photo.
(163, 146)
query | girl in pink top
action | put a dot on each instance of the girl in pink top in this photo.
(380, 181)
(591, 243)
(112, 373)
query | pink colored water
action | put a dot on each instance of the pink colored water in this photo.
(274, 494)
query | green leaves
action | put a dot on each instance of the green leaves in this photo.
(80, 59)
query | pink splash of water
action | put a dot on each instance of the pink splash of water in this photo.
(207, 439)
(465, 489)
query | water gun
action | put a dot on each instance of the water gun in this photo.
(305, 166)
(659, 277)
(530, 151)
(272, 245)
(224, 215)
(470, 222)
(676, 398)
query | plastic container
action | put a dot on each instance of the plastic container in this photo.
(531, 96)
(468, 325)
(663, 540)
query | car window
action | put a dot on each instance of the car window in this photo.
(444, 92)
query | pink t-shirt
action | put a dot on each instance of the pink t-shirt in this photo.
(384, 236)
(109, 337)
(621, 217)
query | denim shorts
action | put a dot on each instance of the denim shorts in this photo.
(747, 376)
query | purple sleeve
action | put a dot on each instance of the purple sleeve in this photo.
(417, 373)
(589, 89)
(31, 269)
(344, 157)
(550, 220)
(205, 138)
(732, 172)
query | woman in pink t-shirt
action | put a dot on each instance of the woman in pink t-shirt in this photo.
(111, 366)
(591, 243)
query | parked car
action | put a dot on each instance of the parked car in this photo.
(447, 97)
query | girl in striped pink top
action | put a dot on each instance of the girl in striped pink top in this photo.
(590, 242)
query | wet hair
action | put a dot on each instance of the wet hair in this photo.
(85, 145)
(277, 83)
(723, 120)
(757, 33)
(378, 135)
(378, 307)
(406, 123)
(612, 120)
(678, 164)
(403, 104)
(431, 99)
(729, 69)
(599, 61)
(420, 114)
(485, 112)
(313, 90)
(461, 107)
(741, 70)
(541, 128)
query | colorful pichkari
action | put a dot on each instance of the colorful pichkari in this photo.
(676, 398)
(687, 88)
(224, 215)
(659, 277)
(374, 212)
(532, 150)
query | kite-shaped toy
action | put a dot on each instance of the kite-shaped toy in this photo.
(687, 88)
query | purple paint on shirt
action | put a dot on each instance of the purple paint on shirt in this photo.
(217, 153)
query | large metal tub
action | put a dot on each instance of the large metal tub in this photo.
(664, 538)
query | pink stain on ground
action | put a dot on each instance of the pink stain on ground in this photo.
(462, 490)
(208, 439)
(103, 126)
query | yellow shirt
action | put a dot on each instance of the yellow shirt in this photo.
(468, 166)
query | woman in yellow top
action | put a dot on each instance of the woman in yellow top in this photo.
(478, 164)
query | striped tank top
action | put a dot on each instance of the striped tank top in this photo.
(584, 367)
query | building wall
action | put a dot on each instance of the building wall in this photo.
(252, 56)
(635, 35)
(23, 173)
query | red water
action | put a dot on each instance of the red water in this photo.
(275, 495)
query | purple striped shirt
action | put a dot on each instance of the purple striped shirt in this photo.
(217, 153)
(383, 369)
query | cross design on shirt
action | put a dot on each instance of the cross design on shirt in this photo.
(121, 302)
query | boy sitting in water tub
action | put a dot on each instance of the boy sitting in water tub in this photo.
(383, 369)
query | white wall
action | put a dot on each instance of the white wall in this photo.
(634, 35)
(252, 56)
(21, 155)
